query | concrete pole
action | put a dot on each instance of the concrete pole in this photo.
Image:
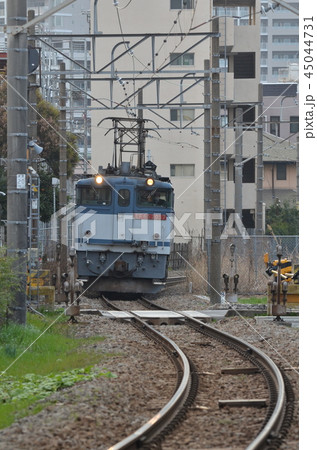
(63, 172)
(32, 116)
(17, 193)
(238, 163)
(63, 144)
(141, 156)
(260, 167)
(207, 169)
(215, 293)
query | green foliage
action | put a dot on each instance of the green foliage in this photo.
(18, 394)
(9, 283)
(53, 352)
(33, 386)
(48, 137)
(39, 359)
(47, 124)
(283, 218)
(46, 195)
(253, 301)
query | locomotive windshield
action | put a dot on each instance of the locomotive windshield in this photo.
(154, 197)
(91, 195)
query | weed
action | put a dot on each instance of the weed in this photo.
(35, 363)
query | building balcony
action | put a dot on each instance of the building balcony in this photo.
(226, 30)
(227, 86)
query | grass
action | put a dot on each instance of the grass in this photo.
(253, 300)
(38, 359)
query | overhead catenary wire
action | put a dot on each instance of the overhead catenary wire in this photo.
(145, 66)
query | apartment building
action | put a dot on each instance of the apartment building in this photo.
(280, 159)
(3, 15)
(178, 149)
(279, 42)
(74, 19)
(279, 39)
(281, 110)
(280, 142)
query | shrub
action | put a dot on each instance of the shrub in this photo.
(9, 283)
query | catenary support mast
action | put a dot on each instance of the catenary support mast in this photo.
(17, 151)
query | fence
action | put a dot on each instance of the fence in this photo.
(248, 262)
(248, 259)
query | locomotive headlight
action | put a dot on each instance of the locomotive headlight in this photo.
(98, 179)
(150, 181)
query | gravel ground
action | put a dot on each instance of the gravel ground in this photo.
(99, 413)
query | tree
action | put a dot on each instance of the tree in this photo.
(283, 218)
(48, 137)
(46, 195)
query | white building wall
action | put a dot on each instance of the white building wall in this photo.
(173, 146)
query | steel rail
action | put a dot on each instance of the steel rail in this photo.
(274, 422)
(268, 368)
(153, 426)
(156, 424)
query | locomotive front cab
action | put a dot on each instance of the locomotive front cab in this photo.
(124, 233)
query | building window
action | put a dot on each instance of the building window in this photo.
(287, 23)
(248, 117)
(285, 39)
(248, 171)
(182, 59)
(285, 55)
(182, 4)
(294, 124)
(223, 64)
(279, 70)
(182, 170)
(58, 21)
(182, 114)
(224, 120)
(244, 65)
(281, 171)
(275, 125)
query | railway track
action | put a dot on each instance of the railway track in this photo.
(274, 416)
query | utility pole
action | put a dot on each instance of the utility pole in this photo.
(141, 155)
(17, 193)
(260, 167)
(207, 170)
(62, 245)
(32, 122)
(238, 166)
(215, 247)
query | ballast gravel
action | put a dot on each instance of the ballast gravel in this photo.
(99, 413)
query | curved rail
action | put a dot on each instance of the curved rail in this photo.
(270, 371)
(156, 423)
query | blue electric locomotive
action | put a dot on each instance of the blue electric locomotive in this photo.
(124, 227)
